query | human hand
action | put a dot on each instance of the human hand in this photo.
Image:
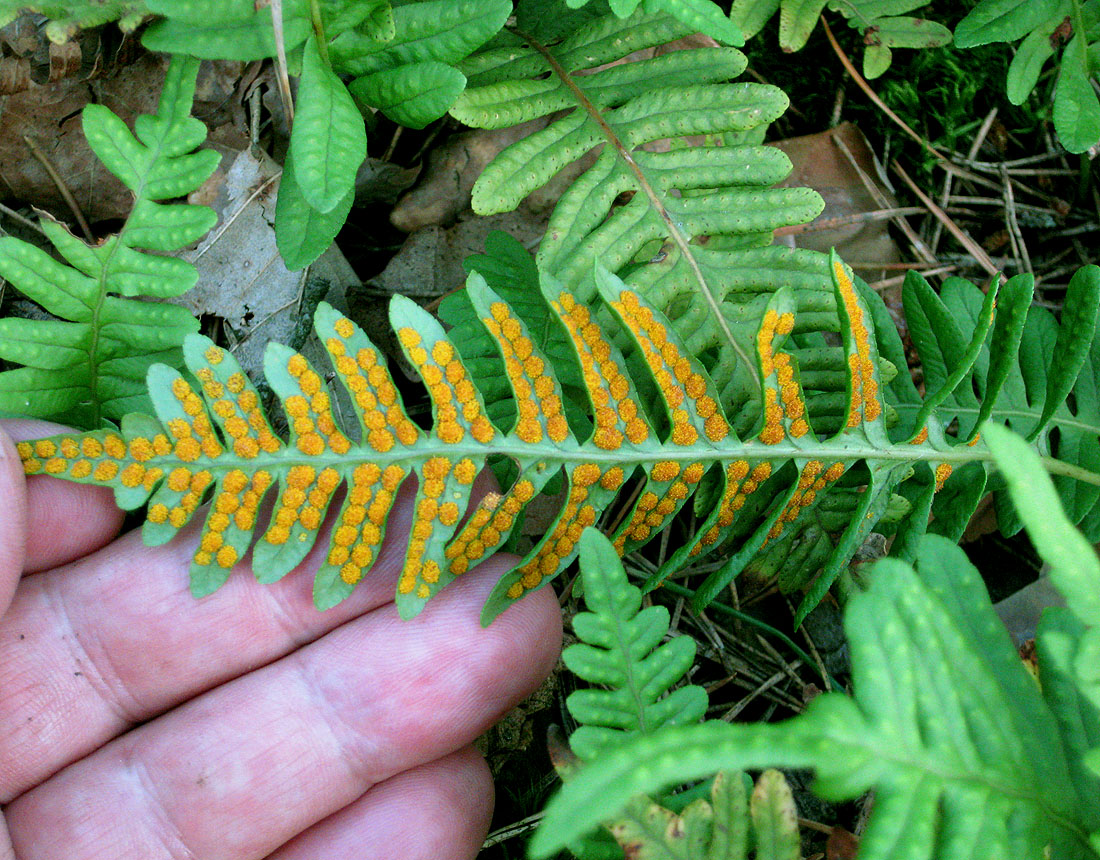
(137, 723)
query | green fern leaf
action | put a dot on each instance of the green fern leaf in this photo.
(92, 365)
(1026, 375)
(787, 489)
(620, 650)
(695, 215)
(965, 757)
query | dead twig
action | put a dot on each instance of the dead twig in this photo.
(1015, 236)
(66, 194)
(975, 250)
(919, 246)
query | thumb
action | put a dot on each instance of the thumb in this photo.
(13, 519)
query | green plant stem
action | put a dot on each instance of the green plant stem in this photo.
(680, 591)
(682, 242)
(319, 30)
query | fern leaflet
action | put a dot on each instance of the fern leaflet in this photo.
(91, 363)
(620, 648)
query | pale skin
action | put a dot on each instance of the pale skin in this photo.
(137, 722)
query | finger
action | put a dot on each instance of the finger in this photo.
(117, 638)
(455, 794)
(239, 771)
(13, 520)
(65, 520)
(7, 852)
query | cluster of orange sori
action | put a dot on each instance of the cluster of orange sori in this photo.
(810, 482)
(192, 434)
(302, 502)
(560, 543)
(535, 390)
(188, 485)
(371, 387)
(673, 371)
(741, 482)
(652, 510)
(865, 400)
(85, 458)
(616, 412)
(786, 402)
(429, 510)
(141, 451)
(489, 524)
(234, 507)
(237, 407)
(449, 387)
(233, 510)
(943, 472)
(310, 413)
(358, 534)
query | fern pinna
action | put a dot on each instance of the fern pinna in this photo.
(90, 363)
(762, 489)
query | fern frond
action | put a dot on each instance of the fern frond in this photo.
(91, 363)
(683, 204)
(964, 753)
(620, 649)
(880, 22)
(767, 491)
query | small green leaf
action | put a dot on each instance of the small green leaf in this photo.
(1014, 301)
(1076, 105)
(704, 16)
(243, 40)
(329, 139)
(1027, 63)
(303, 234)
(906, 32)
(797, 20)
(1002, 21)
(620, 650)
(412, 95)
(876, 60)
(750, 16)
(774, 818)
(1079, 313)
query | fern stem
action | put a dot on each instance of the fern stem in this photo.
(677, 236)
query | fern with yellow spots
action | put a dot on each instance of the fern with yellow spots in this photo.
(800, 492)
